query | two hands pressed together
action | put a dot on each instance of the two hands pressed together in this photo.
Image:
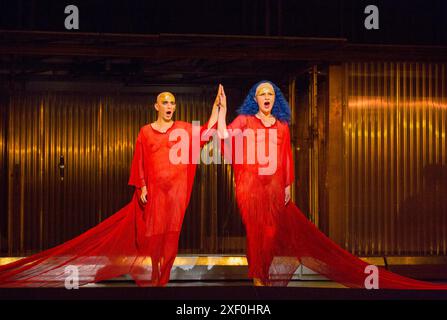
(220, 111)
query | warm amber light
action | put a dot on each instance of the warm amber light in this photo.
(361, 102)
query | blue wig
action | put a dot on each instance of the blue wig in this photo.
(280, 110)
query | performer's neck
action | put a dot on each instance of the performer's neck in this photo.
(264, 114)
(163, 122)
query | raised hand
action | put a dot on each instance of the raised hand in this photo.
(221, 121)
(222, 98)
(215, 111)
(217, 100)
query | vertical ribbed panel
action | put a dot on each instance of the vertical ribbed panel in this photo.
(395, 159)
(96, 135)
(312, 123)
(3, 173)
(45, 208)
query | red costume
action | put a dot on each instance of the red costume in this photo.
(140, 240)
(279, 236)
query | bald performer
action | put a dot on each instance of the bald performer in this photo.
(141, 238)
(163, 186)
(165, 106)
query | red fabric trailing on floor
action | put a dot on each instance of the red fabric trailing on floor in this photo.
(300, 241)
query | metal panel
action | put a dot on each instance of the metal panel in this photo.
(3, 172)
(395, 159)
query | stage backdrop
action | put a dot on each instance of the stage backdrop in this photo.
(385, 122)
(394, 159)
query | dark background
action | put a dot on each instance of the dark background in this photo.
(401, 22)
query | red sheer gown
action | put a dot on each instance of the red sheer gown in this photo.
(140, 240)
(279, 236)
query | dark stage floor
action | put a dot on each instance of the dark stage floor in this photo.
(212, 290)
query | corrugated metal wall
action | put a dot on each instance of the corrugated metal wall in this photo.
(395, 159)
(96, 135)
(3, 174)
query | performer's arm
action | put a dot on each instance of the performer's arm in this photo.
(212, 121)
(137, 170)
(207, 130)
(227, 132)
(221, 119)
(228, 135)
(222, 129)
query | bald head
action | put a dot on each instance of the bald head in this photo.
(165, 96)
(165, 106)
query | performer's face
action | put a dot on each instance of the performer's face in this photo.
(165, 105)
(265, 97)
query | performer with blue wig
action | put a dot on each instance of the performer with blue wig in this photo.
(280, 109)
(279, 236)
(262, 186)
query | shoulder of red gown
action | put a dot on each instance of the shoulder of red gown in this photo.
(144, 130)
(241, 120)
(282, 124)
(244, 116)
(182, 124)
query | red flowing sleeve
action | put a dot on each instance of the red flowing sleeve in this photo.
(235, 128)
(289, 171)
(206, 133)
(239, 123)
(137, 169)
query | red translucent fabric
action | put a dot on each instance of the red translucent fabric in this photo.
(139, 240)
(279, 237)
